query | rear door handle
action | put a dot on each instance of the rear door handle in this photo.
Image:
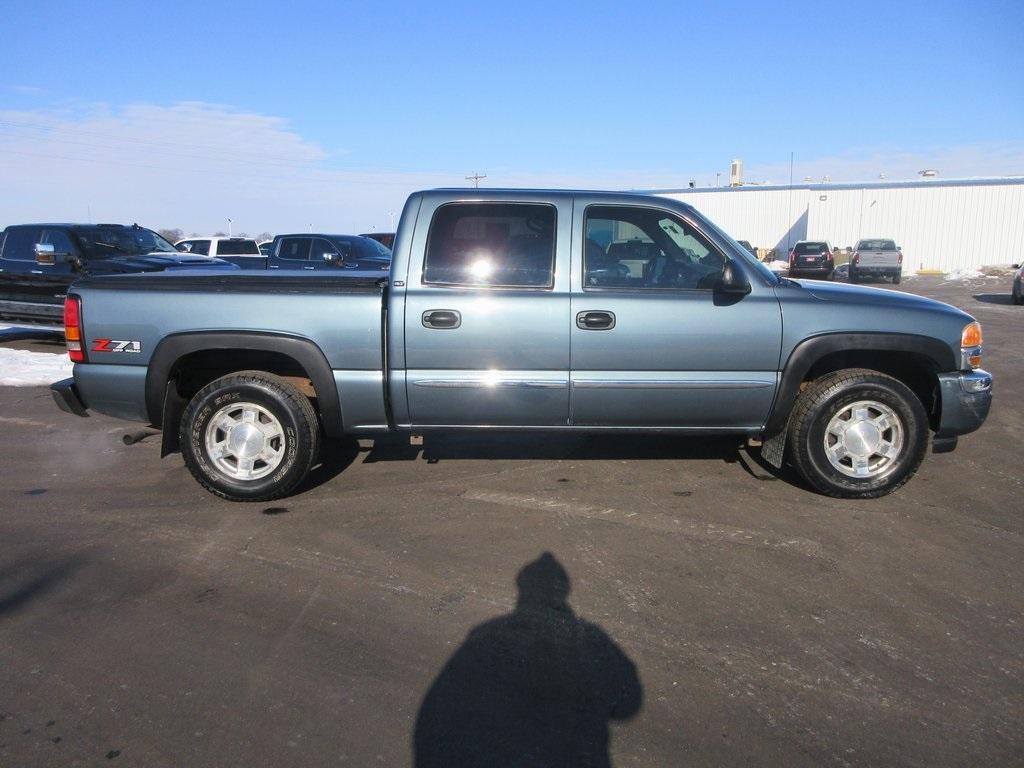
(595, 320)
(442, 318)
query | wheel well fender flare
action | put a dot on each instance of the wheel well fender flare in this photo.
(302, 350)
(811, 350)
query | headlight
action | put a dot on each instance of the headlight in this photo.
(970, 346)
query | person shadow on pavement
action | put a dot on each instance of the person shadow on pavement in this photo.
(537, 687)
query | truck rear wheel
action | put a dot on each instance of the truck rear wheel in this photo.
(858, 434)
(249, 436)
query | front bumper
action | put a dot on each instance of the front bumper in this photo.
(965, 400)
(65, 394)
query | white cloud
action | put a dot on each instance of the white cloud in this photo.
(192, 165)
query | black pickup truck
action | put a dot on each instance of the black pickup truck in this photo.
(39, 261)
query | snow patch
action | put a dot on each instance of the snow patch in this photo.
(779, 265)
(21, 368)
(970, 273)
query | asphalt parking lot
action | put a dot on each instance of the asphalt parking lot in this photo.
(692, 609)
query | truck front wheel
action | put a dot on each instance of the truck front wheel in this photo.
(249, 436)
(857, 433)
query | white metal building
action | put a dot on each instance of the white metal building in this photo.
(940, 224)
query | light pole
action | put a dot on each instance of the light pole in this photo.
(229, 227)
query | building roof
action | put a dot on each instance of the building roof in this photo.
(878, 184)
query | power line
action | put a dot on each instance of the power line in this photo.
(475, 178)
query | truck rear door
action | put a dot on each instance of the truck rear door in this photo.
(487, 313)
(653, 345)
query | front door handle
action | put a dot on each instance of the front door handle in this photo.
(595, 321)
(442, 318)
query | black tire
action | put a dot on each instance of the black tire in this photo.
(296, 448)
(1017, 298)
(827, 397)
(896, 278)
(852, 276)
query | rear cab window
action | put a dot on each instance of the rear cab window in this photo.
(876, 245)
(237, 248)
(811, 248)
(501, 245)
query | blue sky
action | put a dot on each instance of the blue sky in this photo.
(383, 97)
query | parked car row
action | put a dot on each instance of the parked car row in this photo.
(298, 251)
(872, 257)
(38, 262)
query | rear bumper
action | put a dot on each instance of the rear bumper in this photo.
(811, 271)
(876, 270)
(65, 394)
(33, 311)
(966, 399)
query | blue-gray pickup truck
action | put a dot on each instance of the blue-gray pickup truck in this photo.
(537, 310)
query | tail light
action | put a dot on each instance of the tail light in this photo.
(856, 257)
(827, 255)
(792, 256)
(970, 346)
(899, 257)
(73, 328)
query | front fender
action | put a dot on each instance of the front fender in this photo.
(811, 350)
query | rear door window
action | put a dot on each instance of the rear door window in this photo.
(19, 243)
(294, 249)
(507, 245)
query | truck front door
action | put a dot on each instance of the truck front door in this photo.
(653, 344)
(32, 286)
(486, 319)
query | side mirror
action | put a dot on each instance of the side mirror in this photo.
(46, 255)
(732, 281)
(184, 247)
(334, 259)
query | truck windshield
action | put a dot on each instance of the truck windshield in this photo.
(115, 240)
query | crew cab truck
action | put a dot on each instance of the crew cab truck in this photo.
(876, 258)
(39, 261)
(509, 309)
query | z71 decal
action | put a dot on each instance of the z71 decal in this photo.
(112, 345)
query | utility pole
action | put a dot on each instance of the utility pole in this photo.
(475, 178)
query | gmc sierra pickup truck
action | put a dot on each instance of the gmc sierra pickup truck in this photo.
(540, 310)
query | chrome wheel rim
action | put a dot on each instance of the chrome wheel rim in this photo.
(864, 439)
(245, 441)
